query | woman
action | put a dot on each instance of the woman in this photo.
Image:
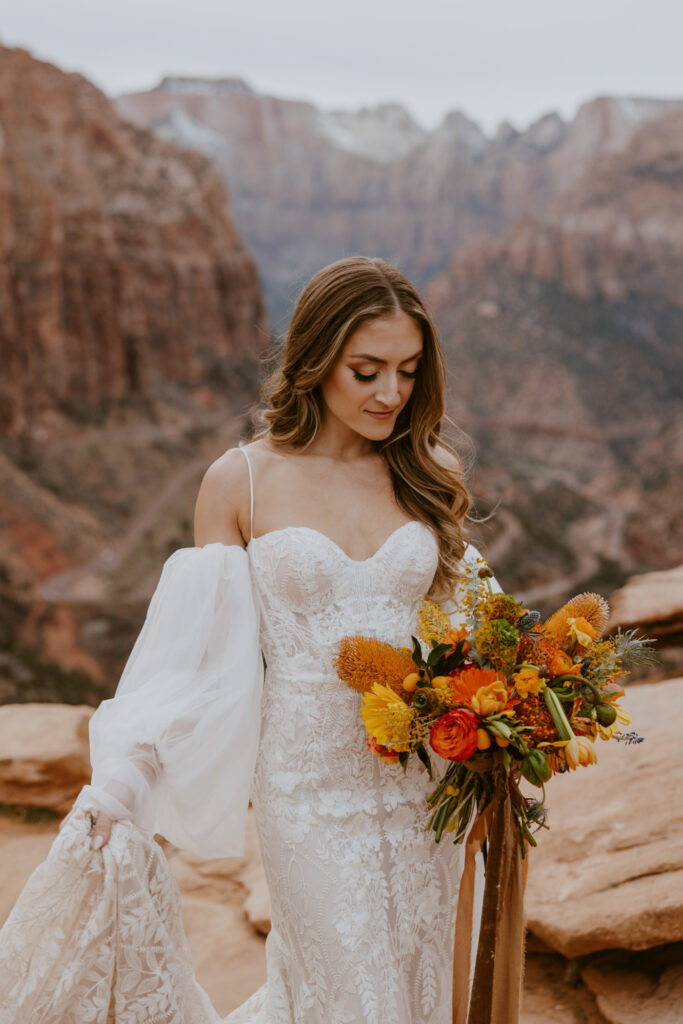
(337, 519)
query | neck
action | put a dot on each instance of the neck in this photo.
(335, 440)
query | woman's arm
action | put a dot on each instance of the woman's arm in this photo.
(190, 689)
(222, 508)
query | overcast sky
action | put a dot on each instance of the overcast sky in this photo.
(493, 59)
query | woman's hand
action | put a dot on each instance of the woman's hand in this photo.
(101, 830)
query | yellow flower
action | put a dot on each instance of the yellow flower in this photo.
(387, 718)
(622, 716)
(589, 607)
(432, 622)
(580, 751)
(490, 699)
(527, 680)
(581, 631)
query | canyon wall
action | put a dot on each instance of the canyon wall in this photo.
(120, 265)
(563, 342)
(310, 185)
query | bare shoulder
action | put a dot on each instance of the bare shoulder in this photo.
(222, 508)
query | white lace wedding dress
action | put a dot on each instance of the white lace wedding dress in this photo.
(362, 899)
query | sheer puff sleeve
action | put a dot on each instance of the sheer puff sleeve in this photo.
(174, 750)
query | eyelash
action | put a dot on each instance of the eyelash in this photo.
(367, 377)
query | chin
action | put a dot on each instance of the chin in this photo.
(377, 431)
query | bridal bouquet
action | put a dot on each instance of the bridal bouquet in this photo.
(501, 697)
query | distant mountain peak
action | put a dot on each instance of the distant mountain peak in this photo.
(197, 86)
(383, 133)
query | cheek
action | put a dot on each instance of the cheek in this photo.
(406, 389)
(342, 391)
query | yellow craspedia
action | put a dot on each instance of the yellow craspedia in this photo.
(387, 718)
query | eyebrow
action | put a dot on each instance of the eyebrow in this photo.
(383, 362)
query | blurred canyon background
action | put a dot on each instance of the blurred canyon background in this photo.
(153, 245)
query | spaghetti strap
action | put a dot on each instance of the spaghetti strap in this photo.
(251, 492)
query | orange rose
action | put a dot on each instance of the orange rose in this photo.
(454, 735)
(491, 698)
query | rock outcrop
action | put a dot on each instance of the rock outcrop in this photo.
(608, 874)
(44, 754)
(121, 269)
(652, 601)
(605, 885)
(310, 186)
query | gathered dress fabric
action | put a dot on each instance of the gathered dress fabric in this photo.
(363, 901)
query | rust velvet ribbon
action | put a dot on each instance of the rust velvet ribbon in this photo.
(499, 965)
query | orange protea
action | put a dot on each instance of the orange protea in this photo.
(590, 613)
(539, 651)
(532, 711)
(362, 661)
(468, 682)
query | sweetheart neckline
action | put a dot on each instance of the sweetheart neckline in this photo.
(319, 533)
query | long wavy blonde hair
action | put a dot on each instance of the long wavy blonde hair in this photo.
(428, 484)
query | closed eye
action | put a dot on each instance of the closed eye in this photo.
(367, 377)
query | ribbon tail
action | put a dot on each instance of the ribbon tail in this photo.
(463, 921)
(497, 987)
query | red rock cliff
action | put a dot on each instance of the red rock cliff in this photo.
(119, 263)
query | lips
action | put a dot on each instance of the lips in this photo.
(382, 415)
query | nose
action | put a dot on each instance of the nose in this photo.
(388, 393)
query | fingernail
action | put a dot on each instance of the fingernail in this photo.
(97, 842)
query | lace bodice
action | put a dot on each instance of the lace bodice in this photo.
(311, 593)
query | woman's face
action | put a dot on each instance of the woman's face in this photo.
(374, 376)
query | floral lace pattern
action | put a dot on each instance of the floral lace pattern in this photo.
(99, 939)
(362, 900)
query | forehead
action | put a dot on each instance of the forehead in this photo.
(385, 336)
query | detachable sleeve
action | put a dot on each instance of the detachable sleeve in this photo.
(454, 606)
(174, 750)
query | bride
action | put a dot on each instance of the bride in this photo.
(336, 519)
